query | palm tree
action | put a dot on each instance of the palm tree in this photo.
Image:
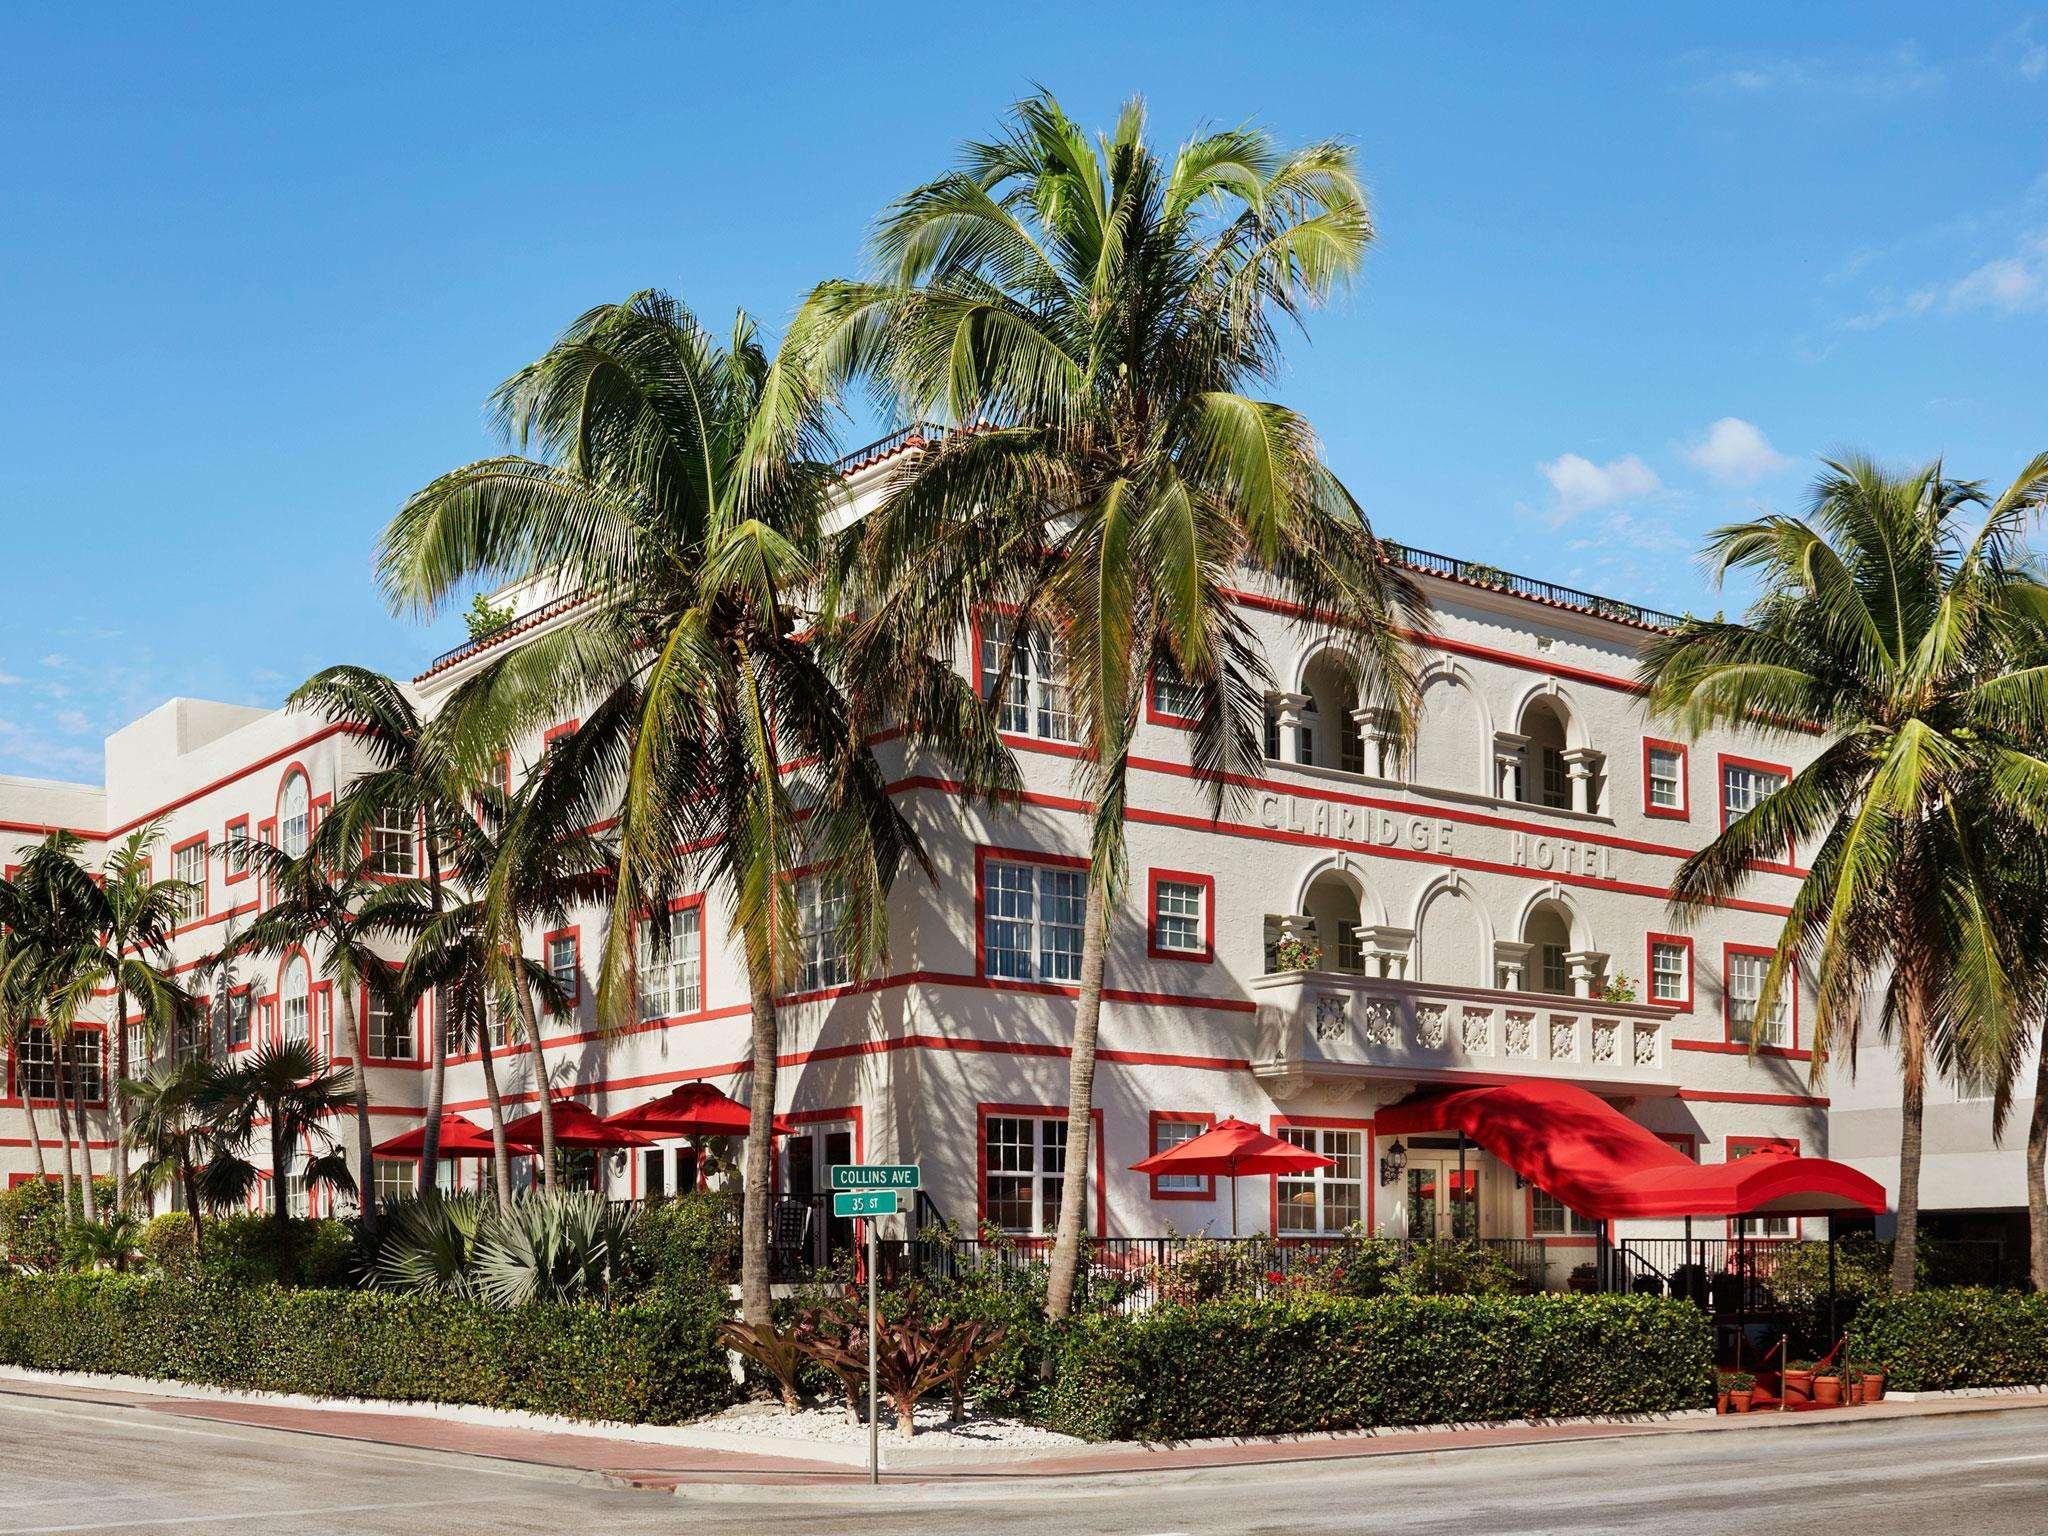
(179, 1143)
(410, 777)
(289, 1089)
(327, 900)
(1099, 316)
(682, 487)
(20, 1003)
(1914, 647)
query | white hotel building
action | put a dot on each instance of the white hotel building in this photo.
(1476, 911)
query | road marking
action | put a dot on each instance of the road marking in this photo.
(255, 1514)
(1995, 1461)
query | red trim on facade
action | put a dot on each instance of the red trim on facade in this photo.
(1683, 810)
(1780, 1100)
(236, 829)
(1153, 879)
(1158, 1117)
(1650, 943)
(1154, 715)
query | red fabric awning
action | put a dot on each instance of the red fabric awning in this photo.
(1603, 1165)
(693, 1109)
(459, 1138)
(576, 1125)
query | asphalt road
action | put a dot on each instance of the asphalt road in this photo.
(79, 1466)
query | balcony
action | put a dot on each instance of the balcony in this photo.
(1321, 1027)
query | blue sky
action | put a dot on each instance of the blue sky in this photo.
(1636, 268)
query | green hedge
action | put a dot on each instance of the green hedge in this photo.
(656, 1363)
(1247, 1367)
(1934, 1340)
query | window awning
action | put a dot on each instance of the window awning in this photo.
(1603, 1165)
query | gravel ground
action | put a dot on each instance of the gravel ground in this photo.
(823, 1426)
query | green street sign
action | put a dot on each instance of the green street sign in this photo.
(864, 1202)
(901, 1176)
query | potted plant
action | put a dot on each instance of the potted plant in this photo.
(1584, 1279)
(1293, 954)
(1827, 1389)
(1798, 1382)
(1873, 1383)
(1741, 1391)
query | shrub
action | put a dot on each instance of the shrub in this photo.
(651, 1363)
(251, 1249)
(1296, 1365)
(167, 1245)
(691, 1243)
(1931, 1341)
(33, 1221)
(1456, 1269)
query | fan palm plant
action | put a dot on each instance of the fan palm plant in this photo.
(1100, 315)
(409, 777)
(681, 489)
(170, 1126)
(20, 1005)
(287, 1089)
(1914, 646)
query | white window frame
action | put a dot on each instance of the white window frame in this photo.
(295, 816)
(394, 851)
(1172, 694)
(1667, 789)
(295, 1005)
(1551, 1217)
(188, 863)
(1745, 980)
(1020, 942)
(35, 1065)
(1032, 1152)
(394, 1178)
(671, 979)
(1190, 923)
(567, 973)
(1324, 1216)
(387, 1031)
(1743, 788)
(89, 1064)
(1659, 949)
(1168, 1133)
(820, 916)
(1035, 700)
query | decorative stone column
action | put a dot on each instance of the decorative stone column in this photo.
(1511, 964)
(1387, 950)
(1376, 731)
(1588, 970)
(1510, 751)
(1583, 764)
(1287, 709)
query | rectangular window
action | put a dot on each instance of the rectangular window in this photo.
(1670, 972)
(237, 835)
(188, 863)
(35, 1065)
(138, 1047)
(1746, 970)
(820, 919)
(1025, 1158)
(88, 1058)
(1557, 974)
(1664, 779)
(238, 1020)
(1557, 788)
(1032, 917)
(1181, 920)
(1168, 1133)
(671, 964)
(395, 1179)
(1551, 1217)
(565, 963)
(1329, 1200)
(393, 849)
(1174, 700)
(1745, 786)
(389, 1031)
(297, 1018)
(1034, 700)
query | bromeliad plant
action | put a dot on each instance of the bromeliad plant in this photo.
(1100, 318)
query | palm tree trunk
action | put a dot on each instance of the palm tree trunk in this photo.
(366, 1186)
(1080, 1153)
(437, 1050)
(278, 1170)
(757, 1193)
(119, 1155)
(189, 1177)
(1912, 1113)
(64, 1133)
(501, 1166)
(28, 1108)
(89, 1200)
(2037, 1172)
(530, 1016)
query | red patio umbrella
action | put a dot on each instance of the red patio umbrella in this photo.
(459, 1138)
(690, 1109)
(576, 1125)
(1230, 1148)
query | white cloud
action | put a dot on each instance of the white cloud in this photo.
(2010, 285)
(1879, 77)
(1736, 452)
(1581, 484)
(2029, 53)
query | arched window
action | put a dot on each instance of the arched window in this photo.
(295, 994)
(294, 816)
(1545, 779)
(1548, 933)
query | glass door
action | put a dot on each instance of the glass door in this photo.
(808, 1155)
(1442, 1201)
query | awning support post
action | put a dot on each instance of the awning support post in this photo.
(1458, 1192)
(1832, 1322)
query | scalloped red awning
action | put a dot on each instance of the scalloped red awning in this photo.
(1581, 1149)
(460, 1137)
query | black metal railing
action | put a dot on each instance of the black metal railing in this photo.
(1479, 573)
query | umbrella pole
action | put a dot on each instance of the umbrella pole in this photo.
(1233, 1205)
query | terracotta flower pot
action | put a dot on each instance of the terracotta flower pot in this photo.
(1739, 1401)
(1827, 1391)
(1855, 1393)
(1721, 1401)
(1873, 1386)
(1798, 1387)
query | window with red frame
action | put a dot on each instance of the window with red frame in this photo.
(1024, 1162)
(394, 846)
(1670, 970)
(1664, 780)
(1183, 919)
(565, 962)
(1744, 968)
(1174, 700)
(235, 837)
(188, 864)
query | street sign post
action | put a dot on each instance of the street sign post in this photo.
(868, 1190)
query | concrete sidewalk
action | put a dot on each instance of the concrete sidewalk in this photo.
(642, 1463)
